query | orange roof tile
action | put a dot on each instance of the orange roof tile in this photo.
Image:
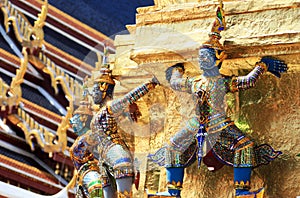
(42, 111)
(26, 168)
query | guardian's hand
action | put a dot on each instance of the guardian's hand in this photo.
(134, 112)
(155, 81)
(274, 65)
(177, 69)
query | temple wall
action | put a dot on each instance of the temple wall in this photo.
(171, 32)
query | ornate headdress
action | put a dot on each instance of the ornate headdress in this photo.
(105, 76)
(84, 105)
(84, 108)
(215, 36)
(105, 80)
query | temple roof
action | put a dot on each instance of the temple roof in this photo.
(75, 33)
(33, 95)
(107, 16)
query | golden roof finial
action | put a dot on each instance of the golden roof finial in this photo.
(35, 37)
(40, 22)
(15, 85)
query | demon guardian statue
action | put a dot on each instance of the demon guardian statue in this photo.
(113, 159)
(227, 142)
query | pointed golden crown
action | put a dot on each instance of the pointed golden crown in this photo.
(218, 26)
(105, 72)
(105, 76)
(84, 108)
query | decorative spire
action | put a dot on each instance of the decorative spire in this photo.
(40, 22)
(35, 37)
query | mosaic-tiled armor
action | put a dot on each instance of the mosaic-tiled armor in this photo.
(113, 154)
(89, 182)
(227, 142)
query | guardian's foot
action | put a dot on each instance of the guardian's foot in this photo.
(125, 194)
(163, 194)
(247, 194)
(167, 194)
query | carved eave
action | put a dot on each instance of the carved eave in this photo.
(60, 57)
(25, 175)
(66, 61)
(63, 21)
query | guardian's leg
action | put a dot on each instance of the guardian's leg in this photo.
(242, 184)
(119, 158)
(174, 181)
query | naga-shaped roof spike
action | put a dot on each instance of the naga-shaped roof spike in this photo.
(40, 22)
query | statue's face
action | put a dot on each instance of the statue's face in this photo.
(77, 123)
(207, 59)
(97, 94)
